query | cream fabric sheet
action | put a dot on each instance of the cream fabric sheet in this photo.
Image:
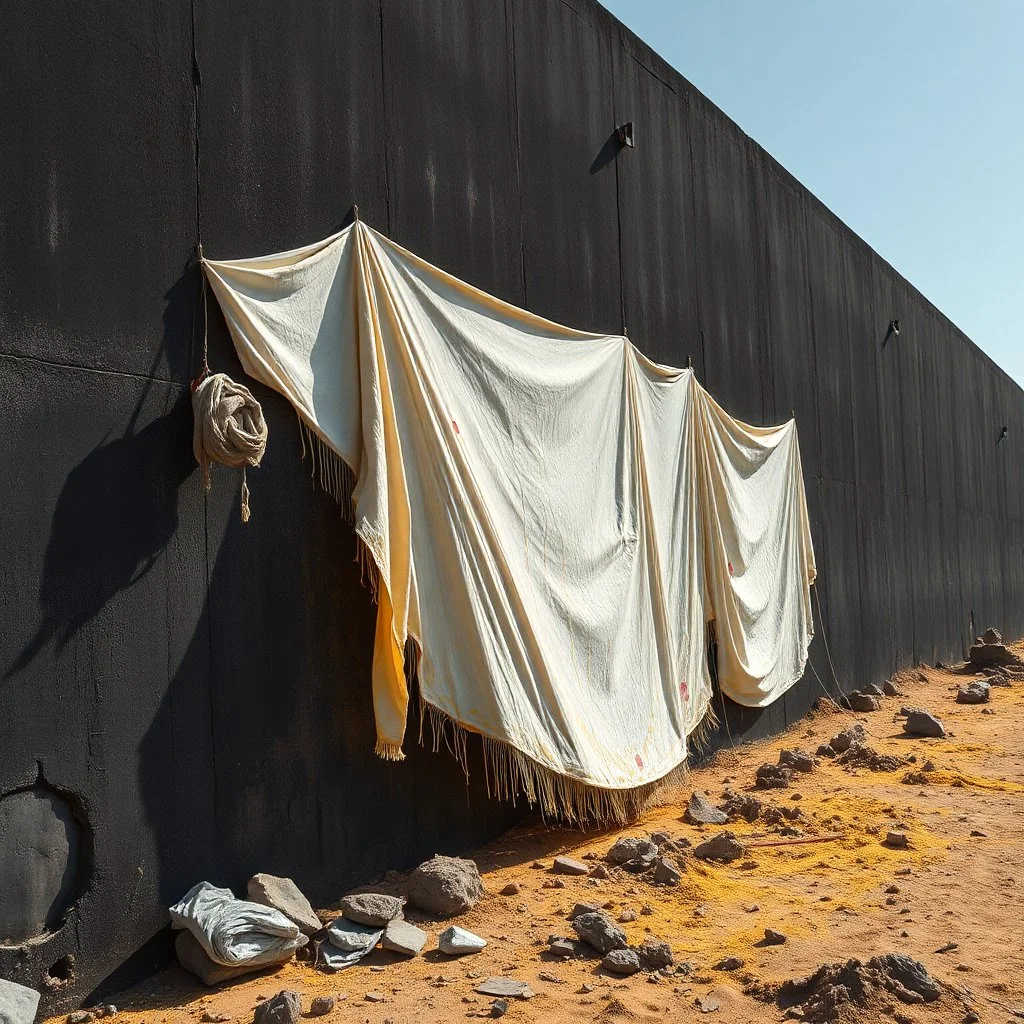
(553, 517)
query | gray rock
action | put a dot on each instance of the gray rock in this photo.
(796, 760)
(193, 958)
(600, 931)
(284, 895)
(402, 937)
(372, 908)
(844, 740)
(890, 689)
(863, 702)
(896, 840)
(825, 750)
(771, 776)
(983, 655)
(568, 866)
(512, 889)
(730, 963)
(654, 954)
(773, 938)
(79, 1017)
(621, 961)
(445, 886)
(284, 1008)
(973, 693)
(565, 948)
(872, 689)
(18, 1003)
(600, 871)
(508, 988)
(632, 848)
(910, 973)
(457, 942)
(723, 847)
(991, 636)
(921, 723)
(583, 908)
(701, 811)
(321, 1006)
(666, 871)
(350, 936)
(499, 1007)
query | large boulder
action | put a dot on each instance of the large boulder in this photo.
(18, 1004)
(284, 895)
(445, 886)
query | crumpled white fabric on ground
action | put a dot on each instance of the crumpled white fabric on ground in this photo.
(551, 516)
(235, 932)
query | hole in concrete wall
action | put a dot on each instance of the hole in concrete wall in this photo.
(41, 861)
(61, 973)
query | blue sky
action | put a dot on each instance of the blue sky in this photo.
(905, 117)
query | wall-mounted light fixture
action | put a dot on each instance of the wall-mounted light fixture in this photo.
(624, 133)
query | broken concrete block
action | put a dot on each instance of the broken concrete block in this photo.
(284, 895)
(445, 886)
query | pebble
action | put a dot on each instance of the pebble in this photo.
(729, 963)
(512, 889)
(499, 1007)
(922, 723)
(321, 1005)
(896, 840)
(666, 871)
(626, 916)
(568, 866)
(700, 811)
(773, 938)
(456, 941)
(508, 988)
(374, 997)
(284, 1008)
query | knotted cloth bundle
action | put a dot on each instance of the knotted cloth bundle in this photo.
(229, 428)
(551, 518)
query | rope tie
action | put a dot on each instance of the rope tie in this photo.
(229, 428)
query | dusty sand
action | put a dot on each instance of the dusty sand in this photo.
(829, 899)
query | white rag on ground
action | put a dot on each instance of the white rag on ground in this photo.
(552, 518)
(234, 932)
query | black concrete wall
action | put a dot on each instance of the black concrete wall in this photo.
(190, 696)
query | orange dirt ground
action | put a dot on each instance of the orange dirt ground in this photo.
(829, 899)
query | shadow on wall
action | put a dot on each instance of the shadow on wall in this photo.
(116, 512)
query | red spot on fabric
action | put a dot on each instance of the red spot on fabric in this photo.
(684, 689)
(456, 426)
(731, 572)
(639, 761)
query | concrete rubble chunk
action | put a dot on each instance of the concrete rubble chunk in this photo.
(508, 988)
(890, 689)
(976, 692)
(654, 953)
(701, 811)
(562, 947)
(284, 895)
(600, 931)
(632, 848)
(863, 702)
(402, 937)
(456, 941)
(445, 886)
(991, 636)
(796, 760)
(18, 1003)
(772, 776)
(666, 871)
(722, 847)
(284, 1008)
(729, 963)
(321, 1006)
(845, 739)
(621, 961)
(193, 958)
(922, 723)
(372, 908)
(568, 866)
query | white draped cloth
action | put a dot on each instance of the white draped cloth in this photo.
(551, 517)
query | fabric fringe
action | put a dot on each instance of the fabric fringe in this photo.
(511, 775)
(389, 751)
(330, 469)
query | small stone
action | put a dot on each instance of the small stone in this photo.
(707, 1004)
(970, 1017)
(632, 848)
(627, 916)
(751, 908)
(700, 811)
(654, 954)
(825, 750)
(973, 693)
(796, 760)
(890, 689)
(847, 738)
(371, 908)
(666, 871)
(499, 1007)
(568, 866)
(600, 931)
(730, 963)
(564, 948)
(922, 723)
(214, 1018)
(374, 997)
(512, 889)
(647, 910)
(551, 979)
(284, 1008)
(892, 888)
(600, 871)
(896, 840)
(445, 886)
(771, 776)
(77, 1017)
(863, 702)
(872, 689)
(621, 961)
(773, 938)
(722, 847)
(402, 937)
(583, 908)
(321, 1006)
(456, 941)
(928, 766)
(507, 988)
(284, 895)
